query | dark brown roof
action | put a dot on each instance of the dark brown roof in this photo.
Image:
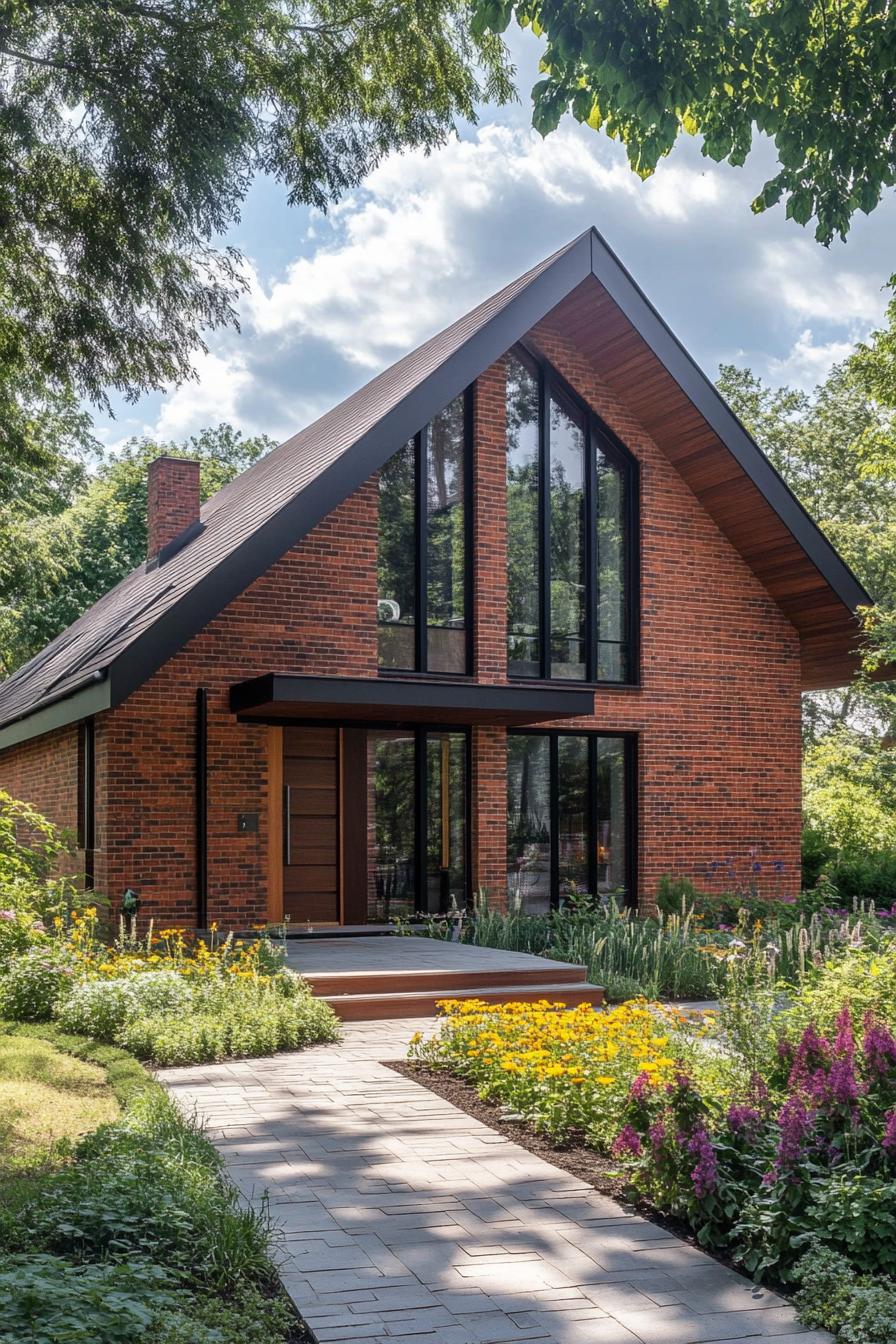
(129, 633)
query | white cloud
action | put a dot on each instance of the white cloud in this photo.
(211, 398)
(807, 364)
(333, 299)
(800, 275)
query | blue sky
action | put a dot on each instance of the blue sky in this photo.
(333, 299)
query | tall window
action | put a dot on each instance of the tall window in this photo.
(423, 561)
(569, 495)
(569, 817)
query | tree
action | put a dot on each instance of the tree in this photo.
(818, 78)
(130, 131)
(56, 565)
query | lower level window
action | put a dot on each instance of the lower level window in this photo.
(568, 818)
(416, 822)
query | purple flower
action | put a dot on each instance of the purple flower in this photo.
(744, 1120)
(640, 1087)
(627, 1143)
(7, 914)
(657, 1134)
(778, 865)
(843, 1086)
(705, 1175)
(812, 1056)
(878, 1047)
(845, 1041)
(888, 1142)
(794, 1125)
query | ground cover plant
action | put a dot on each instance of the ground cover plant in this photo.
(164, 994)
(128, 1232)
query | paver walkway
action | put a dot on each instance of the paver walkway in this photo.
(404, 1219)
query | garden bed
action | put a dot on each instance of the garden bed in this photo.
(126, 1232)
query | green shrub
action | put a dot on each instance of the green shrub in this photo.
(675, 895)
(855, 1213)
(36, 982)
(860, 877)
(857, 1308)
(863, 977)
(102, 1008)
(231, 1019)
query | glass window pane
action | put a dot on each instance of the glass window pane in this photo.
(446, 824)
(572, 816)
(568, 641)
(523, 584)
(390, 825)
(446, 542)
(611, 596)
(528, 823)
(396, 562)
(611, 819)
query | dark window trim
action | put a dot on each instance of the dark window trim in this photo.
(552, 385)
(630, 795)
(421, 552)
(87, 797)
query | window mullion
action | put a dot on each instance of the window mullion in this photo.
(544, 515)
(591, 556)
(421, 615)
(554, 776)
(421, 819)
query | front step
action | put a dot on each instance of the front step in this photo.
(422, 1002)
(443, 983)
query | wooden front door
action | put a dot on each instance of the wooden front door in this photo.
(311, 791)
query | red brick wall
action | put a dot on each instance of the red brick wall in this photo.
(718, 711)
(44, 773)
(717, 714)
(312, 612)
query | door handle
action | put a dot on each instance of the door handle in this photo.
(287, 825)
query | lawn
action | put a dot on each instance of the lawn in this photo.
(48, 1101)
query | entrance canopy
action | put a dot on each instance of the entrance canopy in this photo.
(275, 698)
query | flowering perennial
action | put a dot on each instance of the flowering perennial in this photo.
(561, 1069)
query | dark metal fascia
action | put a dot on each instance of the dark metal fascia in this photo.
(257, 553)
(633, 302)
(71, 708)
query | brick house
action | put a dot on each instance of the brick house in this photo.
(528, 613)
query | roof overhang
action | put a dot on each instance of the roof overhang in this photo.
(275, 698)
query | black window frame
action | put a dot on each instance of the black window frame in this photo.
(553, 386)
(630, 795)
(421, 595)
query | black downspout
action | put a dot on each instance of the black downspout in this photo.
(201, 807)
(87, 799)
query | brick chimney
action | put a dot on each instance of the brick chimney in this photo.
(173, 500)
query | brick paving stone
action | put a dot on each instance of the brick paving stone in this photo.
(404, 1221)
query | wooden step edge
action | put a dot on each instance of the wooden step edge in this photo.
(351, 982)
(369, 1007)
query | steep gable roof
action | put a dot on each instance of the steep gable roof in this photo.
(126, 636)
